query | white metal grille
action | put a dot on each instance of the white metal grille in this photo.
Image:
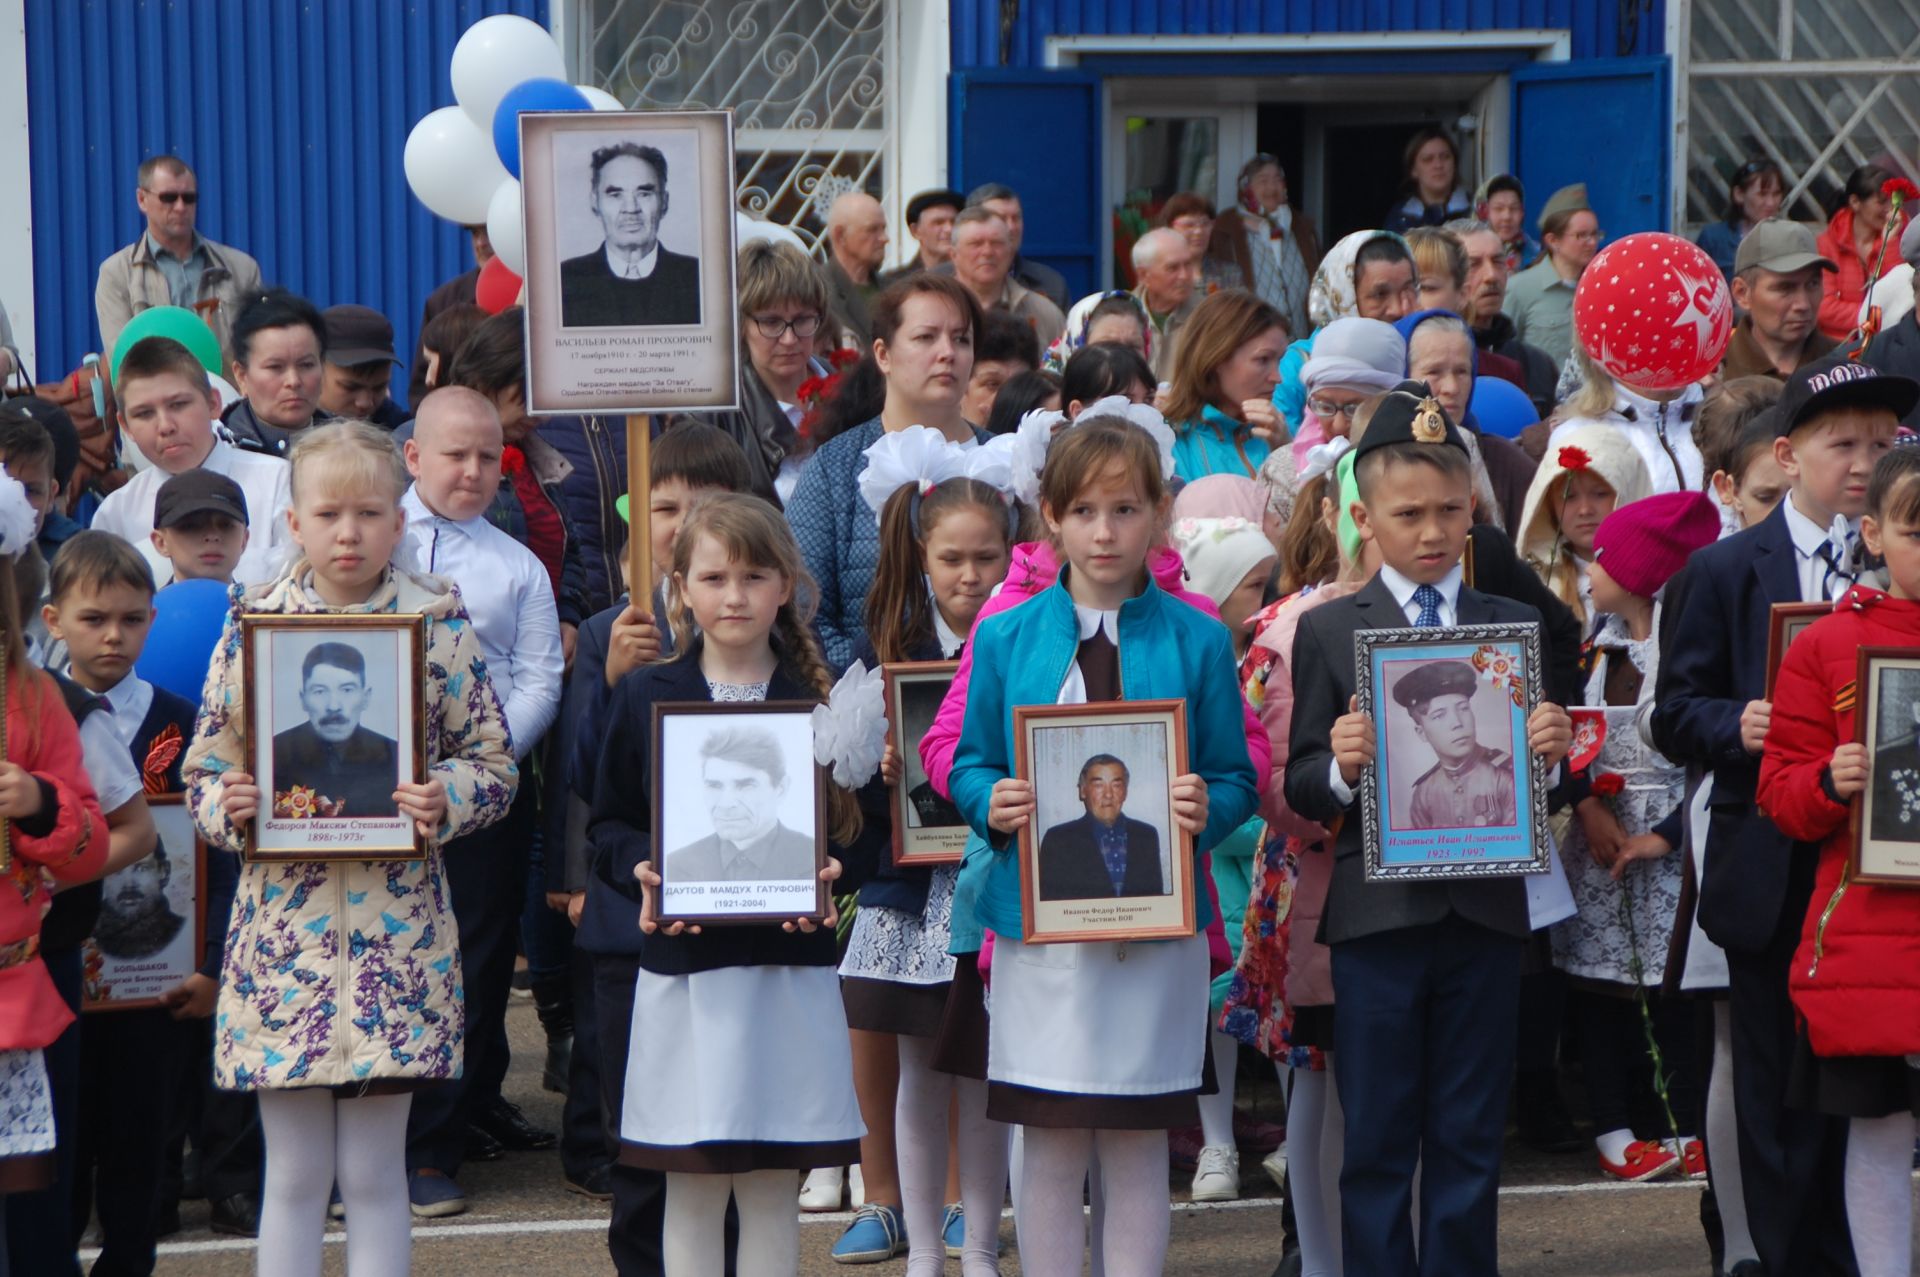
(1818, 86)
(806, 80)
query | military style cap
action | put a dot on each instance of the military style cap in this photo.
(1409, 414)
(1568, 199)
(1440, 678)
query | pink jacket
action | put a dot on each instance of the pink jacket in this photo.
(1033, 569)
(1309, 965)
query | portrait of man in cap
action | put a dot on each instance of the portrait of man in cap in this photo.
(1470, 785)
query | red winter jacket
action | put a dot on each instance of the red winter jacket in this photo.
(1856, 974)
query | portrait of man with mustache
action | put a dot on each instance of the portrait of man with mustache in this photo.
(349, 770)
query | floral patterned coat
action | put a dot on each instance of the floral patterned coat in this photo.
(341, 973)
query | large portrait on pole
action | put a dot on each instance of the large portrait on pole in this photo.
(629, 230)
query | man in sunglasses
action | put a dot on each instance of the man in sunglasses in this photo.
(172, 264)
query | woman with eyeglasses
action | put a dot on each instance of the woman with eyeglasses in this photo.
(783, 305)
(1754, 193)
(1853, 241)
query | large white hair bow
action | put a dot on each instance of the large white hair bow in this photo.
(1027, 455)
(17, 518)
(850, 730)
(923, 457)
(1323, 457)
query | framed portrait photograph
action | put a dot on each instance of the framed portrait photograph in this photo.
(152, 924)
(630, 287)
(1454, 791)
(1102, 858)
(1886, 817)
(740, 834)
(1785, 623)
(334, 724)
(927, 828)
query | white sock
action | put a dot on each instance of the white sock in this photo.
(693, 1240)
(1879, 1178)
(983, 1179)
(1216, 1111)
(297, 1127)
(1133, 1179)
(1613, 1144)
(1723, 1145)
(370, 1164)
(1048, 1216)
(1315, 1139)
(920, 1149)
(769, 1226)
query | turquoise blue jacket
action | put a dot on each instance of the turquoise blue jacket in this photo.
(1290, 395)
(1168, 651)
(1215, 444)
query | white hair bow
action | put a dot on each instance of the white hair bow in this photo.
(1028, 454)
(923, 457)
(17, 518)
(1322, 458)
(850, 730)
(1143, 415)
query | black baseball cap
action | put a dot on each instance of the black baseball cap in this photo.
(357, 335)
(194, 492)
(1840, 382)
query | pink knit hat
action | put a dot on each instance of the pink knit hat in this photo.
(1642, 544)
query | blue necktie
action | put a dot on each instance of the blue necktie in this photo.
(1429, 600)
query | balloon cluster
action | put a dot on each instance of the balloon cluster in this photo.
(463, 162)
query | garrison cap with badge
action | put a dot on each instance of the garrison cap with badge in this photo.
(1409, 414)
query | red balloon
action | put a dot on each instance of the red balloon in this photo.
(498, 287)
(1654, 311)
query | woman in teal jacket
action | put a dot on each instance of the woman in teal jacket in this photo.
(1221, 399)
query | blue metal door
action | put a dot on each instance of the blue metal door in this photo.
(1039, 132)
(1608, 123)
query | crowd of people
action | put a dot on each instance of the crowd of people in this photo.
(1199, 488)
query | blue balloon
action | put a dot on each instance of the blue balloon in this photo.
(1500, 407)
(530, 95)
(188, 617)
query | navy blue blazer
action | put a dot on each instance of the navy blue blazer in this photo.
(1713, 660)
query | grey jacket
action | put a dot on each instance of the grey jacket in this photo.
(130, 282)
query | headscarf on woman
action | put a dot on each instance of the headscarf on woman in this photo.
(1080, 319)
(1332, 296)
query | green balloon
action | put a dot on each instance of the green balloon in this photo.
(176, 322)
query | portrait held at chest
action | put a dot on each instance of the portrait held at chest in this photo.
(335, 726)
(630, 267)
(1101, 858)
(742, 830)
(1886, 817)
(1786, 622)
(1455, 791)
(927, 828)
(151, 926)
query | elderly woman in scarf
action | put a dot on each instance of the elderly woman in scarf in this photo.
(1353, 360)
(1116, 316)
(1369, 274)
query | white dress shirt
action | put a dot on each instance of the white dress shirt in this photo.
(627, 266)
(510, 598)
(1808, 537)
(1403, 591)
(106, 742)
(263, 480)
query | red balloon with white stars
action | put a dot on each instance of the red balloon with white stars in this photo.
(1654, 311)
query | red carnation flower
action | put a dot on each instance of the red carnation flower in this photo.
(1899, 190)
(1572, 458)
(1608, 785)
(843, 358)
(512, 460)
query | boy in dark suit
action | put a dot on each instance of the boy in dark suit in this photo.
(1426, 976)
(1835, 418)
(1105, 852)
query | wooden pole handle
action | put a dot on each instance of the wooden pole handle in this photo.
(639, 512)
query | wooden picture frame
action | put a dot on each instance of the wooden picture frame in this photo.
(1073, 755)
(1785, 623)
(138, 953)
(731, 772)
(1486, 817)
(294, 756)
(927, 828)
(1885, 823)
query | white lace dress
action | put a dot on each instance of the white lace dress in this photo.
(26, 1105)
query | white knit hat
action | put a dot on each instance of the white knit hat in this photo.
(1218, 553)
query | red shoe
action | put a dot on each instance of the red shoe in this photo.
(1645, 1160)
(1694, 1154)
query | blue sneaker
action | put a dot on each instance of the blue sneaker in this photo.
(953, 1230)
(434, 1196)
(877, 1234)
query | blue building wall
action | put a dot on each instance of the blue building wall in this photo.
(293, 113)
(1597, 27)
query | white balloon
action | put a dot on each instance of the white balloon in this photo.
(452, 167)
(503, 227)
(493, 55)
(600, 99)
(747, 228)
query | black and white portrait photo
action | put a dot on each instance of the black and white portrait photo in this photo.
(1470, 780)
(740, 823)
(927, 827)
(1896, 756)
(337, 727)
(631, 278)
(147, 937)
(1102, 857)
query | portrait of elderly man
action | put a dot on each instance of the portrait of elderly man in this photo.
(1104, 853)
(349, 770)
(743, 781)
(632, 279)
(136, 920)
